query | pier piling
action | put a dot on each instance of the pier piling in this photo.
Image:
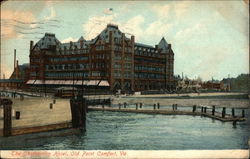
(194, 108)
(158, 105)
(124, 104)
(233, 113)
(213, 109)
(119, 104)
(243, 113)
(154, 106)
(7, 123)
(140, 105)
(205, 109)
(78, 112)
(223, 112)
(136, 106)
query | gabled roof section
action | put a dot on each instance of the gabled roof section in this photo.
(104, 35)
(81, 39)
(47, 41)
(163, 45)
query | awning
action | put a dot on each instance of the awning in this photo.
(30, 82)
(104, 83)
(69, 82)
(49, 82)
(39, 82)
(80, 82)
(93, 83)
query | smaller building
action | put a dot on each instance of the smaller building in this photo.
(214, 85)
(17, 79)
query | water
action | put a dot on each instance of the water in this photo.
(130, 131)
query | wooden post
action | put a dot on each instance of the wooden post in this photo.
(140, 105)
(103, 106)
(54, 101)
(119, 104)
(234, 124)
(194, 108)
(223, 112)
(17, 115)
(158, 105)
(51, 105)
(154, 106)
(243, 113)
(173, 106)
(213, 110)
(7, 123)
(233, 113)
(205, 109)
(78, 112)
(124, 104)
(202, 109)
(136, 106)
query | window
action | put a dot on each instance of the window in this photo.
(117, 57)
(127, 66)
(117, 65)
(96, 73)
(99, 47)
(117, 74)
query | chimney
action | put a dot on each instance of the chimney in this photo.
(169, 46)
(31, 45)
(133, 38)
(17, 69)
(14, 59)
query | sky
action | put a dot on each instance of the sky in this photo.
(210, 39)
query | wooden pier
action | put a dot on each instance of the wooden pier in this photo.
(174, 111)
(33, 115)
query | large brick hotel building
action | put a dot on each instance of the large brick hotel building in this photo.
(110, 60)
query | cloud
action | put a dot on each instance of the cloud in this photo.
(134, 26)
(181, 8)
(52, 14)
(67, 40)
(161, 10)
(96, 24)
(14, 17)
(158, 28)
